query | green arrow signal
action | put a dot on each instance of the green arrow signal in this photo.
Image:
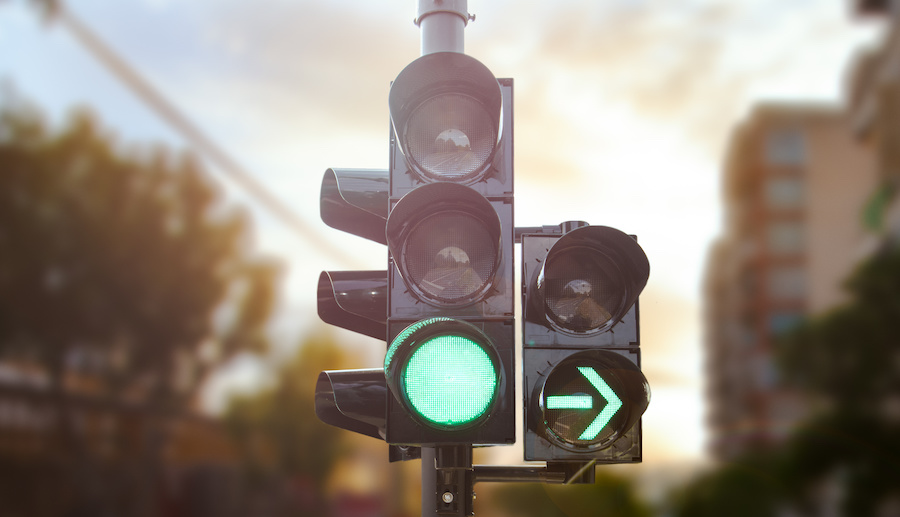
(570, 402)
(580, 402)
(613, 403)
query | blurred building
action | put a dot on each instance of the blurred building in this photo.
(874, 112)
(795, 184)
(115, 456)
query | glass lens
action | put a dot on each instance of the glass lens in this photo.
(450, 380)
(450, 136)
(583, 289)
(580, 407)
(450, 256)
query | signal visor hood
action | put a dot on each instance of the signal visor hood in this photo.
(451, 98)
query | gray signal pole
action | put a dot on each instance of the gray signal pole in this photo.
(442, 23)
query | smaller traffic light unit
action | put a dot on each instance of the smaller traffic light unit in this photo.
(583, 387)
(450, 311)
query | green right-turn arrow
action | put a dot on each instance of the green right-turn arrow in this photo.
(613, 403)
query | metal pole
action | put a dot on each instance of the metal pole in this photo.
(442, 23)
(448, 481)
(553, 473)
(517, 474)
(166, 110)
(454, 487)
(429, 482)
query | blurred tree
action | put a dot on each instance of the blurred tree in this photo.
(610, 495)
(744, 488)
(848, 360)
(125, 268)
(287, 452)
(124, 279)
(849, 460)
(845, 459)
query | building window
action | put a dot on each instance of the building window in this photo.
(748, 337)
(787, 283)
(781, 322)
(785, 147)
(785, 192)
(765, 372)
(786, 238)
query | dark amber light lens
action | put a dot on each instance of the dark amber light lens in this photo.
(584, 289)
(450, 256)
(450, 137)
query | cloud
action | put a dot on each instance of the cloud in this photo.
(691, 66)
(670, 327)
(584, 70)
(321, 64)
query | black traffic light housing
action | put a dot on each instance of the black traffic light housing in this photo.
(450, 236)
(445, 209)
(583, 388)
(441, 103)
(445, 303)
(355, 201)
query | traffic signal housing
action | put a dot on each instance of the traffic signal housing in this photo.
(583, 387)
(355, 201)
(451, 330)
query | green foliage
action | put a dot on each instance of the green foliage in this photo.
(874, 210)
(744, 488)
(846, 457)
(122, 266)
(124, 281)
(278, 435)
(835, 462)
(851, 356)
(610, 495)
(860, 454)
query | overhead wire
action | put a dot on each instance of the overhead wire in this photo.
(55, 10)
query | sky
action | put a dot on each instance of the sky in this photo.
(622, 111)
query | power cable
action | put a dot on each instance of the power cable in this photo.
(54, 9)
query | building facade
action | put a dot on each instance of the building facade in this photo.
(873, 99)
(795, 183)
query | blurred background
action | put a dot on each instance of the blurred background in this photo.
(160, 243)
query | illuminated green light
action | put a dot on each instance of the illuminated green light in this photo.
(401, 338)
(570, 402)
(450, 380)
(613, 403)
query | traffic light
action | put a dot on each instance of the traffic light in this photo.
(450, 304)
(583, 387)
(445, 303)
(355, 201)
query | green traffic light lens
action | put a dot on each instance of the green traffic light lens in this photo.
(445, 371)
(450, 381)
(590, 400)
(580, 406)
